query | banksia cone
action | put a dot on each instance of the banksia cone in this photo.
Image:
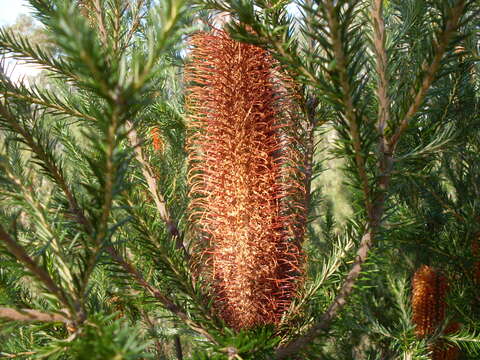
(428, 300)
(428, 303)
(246, 192)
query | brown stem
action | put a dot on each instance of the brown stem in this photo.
(350, 111)
(149, 176)
(164, 299)
(22, 256)
(381, 66)
(135, 24)
(100, 21)
(384, 102)
(29, 315)
(13, 356)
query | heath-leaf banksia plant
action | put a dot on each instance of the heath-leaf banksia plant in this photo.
(247, 201)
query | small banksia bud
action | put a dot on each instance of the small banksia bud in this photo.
(244, 182)
(428, 300)
(157, 141)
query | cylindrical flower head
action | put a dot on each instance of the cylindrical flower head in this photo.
(428, 300)
(246, 192)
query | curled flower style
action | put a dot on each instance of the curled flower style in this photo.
(247, 195)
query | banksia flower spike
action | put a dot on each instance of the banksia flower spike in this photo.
(246, 191)
(429, 308)
(428, 300)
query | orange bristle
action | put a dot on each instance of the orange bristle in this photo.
(244, 184)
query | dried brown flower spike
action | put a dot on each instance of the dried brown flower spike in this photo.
(245, 188)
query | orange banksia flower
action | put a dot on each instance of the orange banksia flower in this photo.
(428, 300)
(246, 192)
(157, 141)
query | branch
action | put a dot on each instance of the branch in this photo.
(53, 169)
(376, 209)
(29, 315)
(440, 48)
(153, 187)
(381, 66)
(135, 23)
(21, 48)
(48, 105)
(178, 347)
(20, 253)
(164, 299)
(100, 21)
(340, 300)
(17, 355)
(347, 287)
(350, 111)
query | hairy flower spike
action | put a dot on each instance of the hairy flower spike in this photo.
(246, 191)
(428, 303)
(428, 300)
